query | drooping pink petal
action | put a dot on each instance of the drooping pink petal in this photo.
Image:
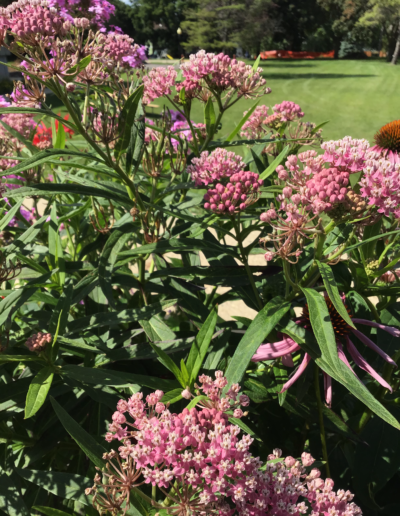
(287, 360)
(298, 373)
(361, 362)
(343, 358)
(275, 350)
(393, 331)
(328, 389)
(368, 342)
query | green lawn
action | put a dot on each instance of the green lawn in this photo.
(357, 97)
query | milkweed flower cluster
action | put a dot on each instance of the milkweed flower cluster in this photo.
(208, 462)
(258, 123)
(237, 194)
(215, 165)
(158, 82)
(219, 73)
(287, 346)
(288, 111)
(380, 185)
(38, 342)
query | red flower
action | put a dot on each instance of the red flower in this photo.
(43, 135)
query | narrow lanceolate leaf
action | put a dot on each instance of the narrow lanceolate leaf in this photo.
(19, 358)
(65, 485)
(136, 142)
(11, 501)
(333, 292)
(242, 122)
(322, 325)
(85, 441)
(264, 322)
(329, 360)
(126, 120)
(49, 511)
(200, 347)
(38, 391)
(10, 214)
(209, 117)
(108, 258)
(168, 363)
(277, 161)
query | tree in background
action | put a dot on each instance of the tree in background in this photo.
(385, 14)
(214, 25)
(258, 25)
(157, 22)
(342, 16)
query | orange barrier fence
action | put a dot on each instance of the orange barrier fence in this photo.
(288, 54)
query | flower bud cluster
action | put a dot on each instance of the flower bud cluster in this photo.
(240, 192)
(38, 342)
(259, 122)
(208, 462)
(118, 50)
(288, 111)
(158, 82)
(214, 166)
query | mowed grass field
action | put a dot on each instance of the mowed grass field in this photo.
(357, 97)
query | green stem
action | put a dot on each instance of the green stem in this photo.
(321, 420)
(86, 105)
(245, 262)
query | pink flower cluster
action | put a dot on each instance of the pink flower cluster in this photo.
(214, 166)
(258, 123)
(158, 82)
(38, 342)
(220, 73)
(240, 192)
(209, 463)
(380, 184)
(30, 19)
(288, 111)
(118, 50)
(348, 153)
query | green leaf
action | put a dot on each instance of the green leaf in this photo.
(11, 501)
(64, 485)
(10, 214)
(116, 378)
(256, 63)
(42, 112)
(38, 391)
(60, 138)
(378, 461)
(333, 292)
(107, 260)
(277, 161)
(372, 239)
(371, 232)
(46, 155)
(50, 511)
(72, 72)
(115, 318)
(322, 325)
(26, 237)
(262, 325)
(20, 358)
(136, 143)
(28, 144)
(329, 360)
(126, 120)
(156, 330)
(200, 347)
(209, 117)
(242, 122)
(281, 377)
(168, 363)
(84, 440)
(55, 248)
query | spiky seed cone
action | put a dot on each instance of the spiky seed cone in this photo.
(340, 326)
(388, 136)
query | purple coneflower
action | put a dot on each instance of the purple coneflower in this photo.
(287, 345)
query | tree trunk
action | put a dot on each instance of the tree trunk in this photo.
(397, 47)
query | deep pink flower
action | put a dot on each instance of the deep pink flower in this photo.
(212, 167)
(158, 82)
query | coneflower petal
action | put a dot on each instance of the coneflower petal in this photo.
(275, 350)
(298, 373)
(343, 358)
(328, 389)
(361, 362)
(393, 331)
(368, 342)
